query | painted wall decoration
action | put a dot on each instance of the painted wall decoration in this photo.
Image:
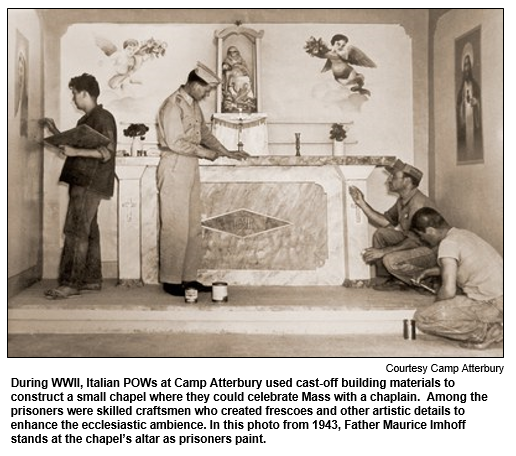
(341, 58)
(468, 98)
(21, 94)
(128, 60)
(291, 90)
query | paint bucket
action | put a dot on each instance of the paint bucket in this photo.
(219, 292)
(191, 295)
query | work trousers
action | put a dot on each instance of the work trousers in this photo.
(403, 264)
(80, 258)
(180, 235)
(460, 318)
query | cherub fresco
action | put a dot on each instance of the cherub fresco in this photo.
(340, 59)
(128, 60)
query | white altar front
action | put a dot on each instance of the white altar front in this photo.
(271, 220)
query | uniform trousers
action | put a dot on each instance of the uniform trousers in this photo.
(180, 235)
(403, 264)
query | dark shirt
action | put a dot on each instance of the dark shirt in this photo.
(93, 173)
(400, 215)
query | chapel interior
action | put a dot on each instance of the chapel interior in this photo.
(282, 221)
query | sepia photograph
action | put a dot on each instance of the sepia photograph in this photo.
(255, 183)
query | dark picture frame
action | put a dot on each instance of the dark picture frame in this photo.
(468, 97)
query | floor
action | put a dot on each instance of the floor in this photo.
(305, 301)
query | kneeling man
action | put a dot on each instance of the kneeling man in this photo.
(469, 263)
(398, 254)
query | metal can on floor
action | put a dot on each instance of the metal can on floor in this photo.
(191, 295)
(219, 292)
(409, 329)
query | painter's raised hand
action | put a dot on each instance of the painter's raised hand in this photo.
(50, 124)
(357, 195)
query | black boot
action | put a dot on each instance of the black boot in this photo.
(174, 289)
(198, 286)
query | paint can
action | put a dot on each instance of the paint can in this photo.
(191, 295)
(219, 292)
(409, 329)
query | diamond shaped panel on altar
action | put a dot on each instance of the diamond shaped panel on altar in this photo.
(244, 223)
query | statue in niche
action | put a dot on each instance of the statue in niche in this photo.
(237, 85)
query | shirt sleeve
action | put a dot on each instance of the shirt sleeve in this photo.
(448, 249)
(174, 136)
(106, 153)
(392, 215)
(106, 125)
(209, 140)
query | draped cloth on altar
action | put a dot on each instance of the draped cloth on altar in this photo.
(250, 129)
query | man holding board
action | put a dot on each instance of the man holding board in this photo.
(89, 171)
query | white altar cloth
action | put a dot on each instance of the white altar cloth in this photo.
(250, 129)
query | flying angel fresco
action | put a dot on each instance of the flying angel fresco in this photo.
(130, 58)
(340, 59)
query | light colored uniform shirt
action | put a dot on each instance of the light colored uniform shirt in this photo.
(479, 265)
(182, 129)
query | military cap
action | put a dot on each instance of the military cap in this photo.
(206, 74)
(398, 165)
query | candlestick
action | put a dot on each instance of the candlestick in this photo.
(240, 144)
(298, 144)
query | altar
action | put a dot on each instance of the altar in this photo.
(268, 220)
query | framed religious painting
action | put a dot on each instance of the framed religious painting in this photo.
(21, 75)
(468, 97)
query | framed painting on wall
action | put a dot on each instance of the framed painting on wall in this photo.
(21, 96)
(468, 89)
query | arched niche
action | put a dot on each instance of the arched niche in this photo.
(239, 122)
(238, 65)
